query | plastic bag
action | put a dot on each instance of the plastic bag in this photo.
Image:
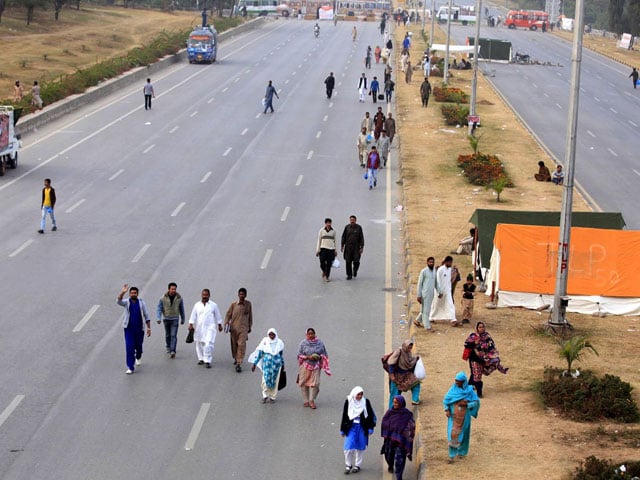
(336, 263)
(264, 102)
(366, 175)
(419, 370)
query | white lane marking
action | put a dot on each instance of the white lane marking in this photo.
(20, 248)
(86, 318)
(244, 131)
(596, 99)
(310, 154)
(299, 180)
(612, 152)
(210, 100)
(174, 129)
(236, 80)
(319, 133)
(247, 71)
(9, 410)
(265, 260)
(634, 124)
(339, 84)
(142, 251)
(559, 106)
(206, 176)
(227, 151)
(590, 133)
(285, 214)
(636, 171)
(257, 115)
(325, 118)
(330, 104)
(293, 73)
(613, 110)
(225, 89)
(197, 426)
(534, 85)
(178, 208)
(75, 205)
(286, 81)
(546, 94)
(300, 65)
(193, 114)
(116, 175)
(149, 148)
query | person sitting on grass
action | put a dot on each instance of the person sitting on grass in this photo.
(543, 174)
(558, 176)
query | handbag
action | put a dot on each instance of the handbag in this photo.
(190, 336)
(385, 362)
(419, 370)
(282, 380)
(380, 96)
(466, 354)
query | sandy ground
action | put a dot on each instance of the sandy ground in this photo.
(514, 435)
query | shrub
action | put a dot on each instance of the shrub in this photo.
(481, 169)
(597, 469)
(455, 114)
(588, 398)
(450, 94)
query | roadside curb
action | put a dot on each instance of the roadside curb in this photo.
(35, 120)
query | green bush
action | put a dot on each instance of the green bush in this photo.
(597, 469)
(455, 114)
(588, 398)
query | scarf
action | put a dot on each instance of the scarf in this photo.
(456, 393)
(402, 357)
(271, 347)
(398, 426)
(356, 407)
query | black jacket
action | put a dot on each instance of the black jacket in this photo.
(367, 423)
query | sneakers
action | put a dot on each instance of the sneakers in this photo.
(138, 361)
(375, 183)
(238, 368)
(347, 470)
(348, 277)
(207, 365)
(40, 231)
(355, 469)
(129, 371)
(264, 400)
(201, 362)
(54, 228)
(172, 355)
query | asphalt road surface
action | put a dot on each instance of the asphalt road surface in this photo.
(207, 191)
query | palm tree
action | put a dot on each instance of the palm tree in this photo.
(573, 349)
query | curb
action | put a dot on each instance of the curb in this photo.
(35, 120)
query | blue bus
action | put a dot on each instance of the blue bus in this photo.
(202, 45)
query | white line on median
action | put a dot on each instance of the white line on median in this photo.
(244, 131)
(142, 251)
(197, 426)
(226, 152)
(116, 175)
(310, 154)
(149, 148)
(590, 133)
(193, 114)
(265, 260)
(319, 133)
(86, 318)
(9, 410)
(285, 214)
(299, 180)
(325, 118)
(636, 171)
(612, 152)
(174, 129)
(206, 176)
(210, 100)
(634, 124)
(75, 205)
(178, 208)
(21, 248)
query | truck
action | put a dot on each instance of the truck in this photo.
(9, 141)
(464, 14)
(202, 45)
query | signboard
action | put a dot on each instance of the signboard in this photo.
(473, 119)
(626, 41)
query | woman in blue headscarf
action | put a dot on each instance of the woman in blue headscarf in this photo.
(460, 403)
(398, 431)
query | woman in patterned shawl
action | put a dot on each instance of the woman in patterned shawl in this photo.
(269, 358)
(483, 356)
(312, 358)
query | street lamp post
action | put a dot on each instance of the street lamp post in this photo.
(446, 48)
(474, 77)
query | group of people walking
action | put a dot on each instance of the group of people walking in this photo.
(351, 246)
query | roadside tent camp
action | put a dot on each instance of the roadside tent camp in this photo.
(602, 268)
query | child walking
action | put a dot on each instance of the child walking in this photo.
(468, 292)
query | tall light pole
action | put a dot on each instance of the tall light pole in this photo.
(474, 77)
(433, 23)
(562, 272)
(446, 48)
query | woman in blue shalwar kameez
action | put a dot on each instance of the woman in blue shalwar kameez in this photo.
(460, 403)
(357, 423)
(268, 357)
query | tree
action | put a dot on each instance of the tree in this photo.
(632, 17)
(573, 349)
(616, 10)
(3, 4)
(57, 7)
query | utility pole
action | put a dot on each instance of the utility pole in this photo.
(474, 77)
(446, 49)
(560, 299)
(433, 24)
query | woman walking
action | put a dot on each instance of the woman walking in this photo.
(312, 359)
(484, 358)
(358, 422)
(460, 404)
(401, 378)
(398, 431)
(269, 358)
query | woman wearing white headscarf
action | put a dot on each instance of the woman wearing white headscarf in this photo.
(358, 422)
(269, 358)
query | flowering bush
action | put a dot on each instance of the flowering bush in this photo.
(455, 114)
(450, 94)
(484, 170)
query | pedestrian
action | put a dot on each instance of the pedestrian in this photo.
(425, 92)
(378, 123)
(352, 245)
(36, 99)
(401, 364)
(330, 83)
(367, 58)
(468, 293)
(634, 76)
(398, 431)
(149, 93)
(312, 359)
(362, 143)
(357, 423)
(404, 58)
(170, 310)
(389, 44)
(47, 204)
(18, 92)
(557, 176)
(204, 317)
(367, 122)
(362, 87)
(383, 147)
(426, 292)
(390, 127)
(389, 87)
(460, 404)
(377, 53)
(484, 358)
(354, 33)
(326, 248)
(134, 318)
(427, 64)
(373, 163)
(268, 97)
(409, 72)
(238, 322)
(373, 91)
(269, 357)
(444, 308)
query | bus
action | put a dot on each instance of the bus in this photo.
(464, 14)
(262, 7)
(531, 19)
(202, 45)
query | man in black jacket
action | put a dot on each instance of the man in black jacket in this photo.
(330, 82)
(352, 246)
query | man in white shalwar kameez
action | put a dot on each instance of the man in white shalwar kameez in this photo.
(443, 308)
(426, 292)
(204, 317)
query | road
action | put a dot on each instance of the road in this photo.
(206, 191)
(607, 124)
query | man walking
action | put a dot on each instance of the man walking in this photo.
(148, 94)
(390, 127)
(378, 123)
(426, 292)
(444, 308)
(133, 321)
(170, 310)
(326, 248)
(375, 86)
(352, 245)
(367, 122)
(634, 76)
(47, 204)
(268, 97)
(330, 83)
(238, 322)
(425, 92)
(383, 147)
(362, 87)
(361, 143)
(204, 317)
(373, 163)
